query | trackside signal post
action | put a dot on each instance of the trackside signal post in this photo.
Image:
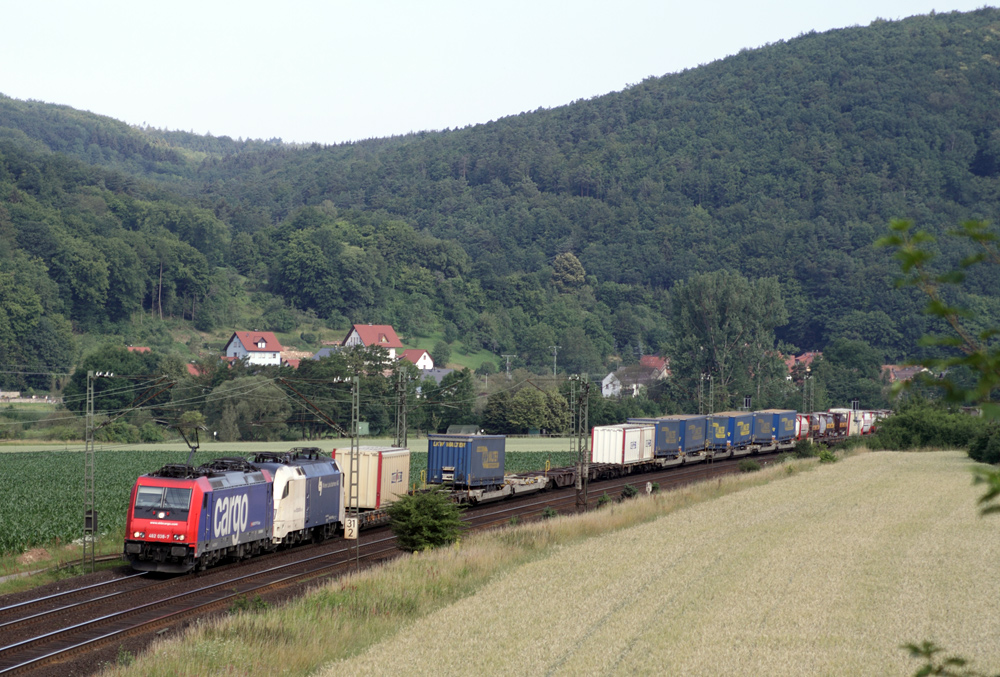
(401, 433)
(90, 527)
(354, 488)
(581, 410)
(352, 508)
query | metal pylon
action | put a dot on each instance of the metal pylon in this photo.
(354, 488)
(401, 433)
(581, 434)
(89, 463)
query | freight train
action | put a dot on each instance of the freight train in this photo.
(184, 518)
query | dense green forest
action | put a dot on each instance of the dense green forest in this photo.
(775, 169)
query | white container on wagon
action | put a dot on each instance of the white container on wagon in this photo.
(867, 422)
(623, 444)
(383, 474)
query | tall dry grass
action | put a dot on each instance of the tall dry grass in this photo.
(343, 618)
(825, 574)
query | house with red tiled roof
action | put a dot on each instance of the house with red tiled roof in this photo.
(419, 357)
(900, 372)
(137, 349)
(258, 347)
(368, 335)
(660, 364)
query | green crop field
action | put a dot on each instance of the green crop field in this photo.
(42, 499)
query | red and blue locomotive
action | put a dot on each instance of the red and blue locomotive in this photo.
(182, 518)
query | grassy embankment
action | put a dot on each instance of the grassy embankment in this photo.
(827, 572)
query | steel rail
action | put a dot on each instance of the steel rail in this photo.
(67, 593)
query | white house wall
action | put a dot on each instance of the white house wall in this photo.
(353, 339)
(262, 358)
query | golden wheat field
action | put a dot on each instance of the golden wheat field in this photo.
(823, 573)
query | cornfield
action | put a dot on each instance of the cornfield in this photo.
(42, 500)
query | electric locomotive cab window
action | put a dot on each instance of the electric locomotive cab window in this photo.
(172, 502)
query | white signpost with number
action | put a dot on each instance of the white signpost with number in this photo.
(351, 528)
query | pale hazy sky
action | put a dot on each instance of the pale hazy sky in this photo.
(338, 71)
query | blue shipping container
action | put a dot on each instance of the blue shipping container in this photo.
(466, 460)
(684, 432)
(668, 435)
(730, 429)
(773, 424)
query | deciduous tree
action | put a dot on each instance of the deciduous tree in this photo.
(723, 327)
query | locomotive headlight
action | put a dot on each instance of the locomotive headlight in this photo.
(161, 515)
(178, 537)
(139, 534)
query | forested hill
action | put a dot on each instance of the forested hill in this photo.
(783, 161)
(787, 160)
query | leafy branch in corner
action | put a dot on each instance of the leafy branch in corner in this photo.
(975, 350)
(935, 664)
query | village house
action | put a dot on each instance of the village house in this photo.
(260, 348)
(437, 373)
(329, 351)
(419, 357)
(805, 359)
(368, 335)
(630, 381)
(661, 365)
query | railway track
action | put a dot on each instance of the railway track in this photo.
(50, 632)
(564, 500)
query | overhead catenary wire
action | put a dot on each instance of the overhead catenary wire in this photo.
(428, 397)
(425, 401)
